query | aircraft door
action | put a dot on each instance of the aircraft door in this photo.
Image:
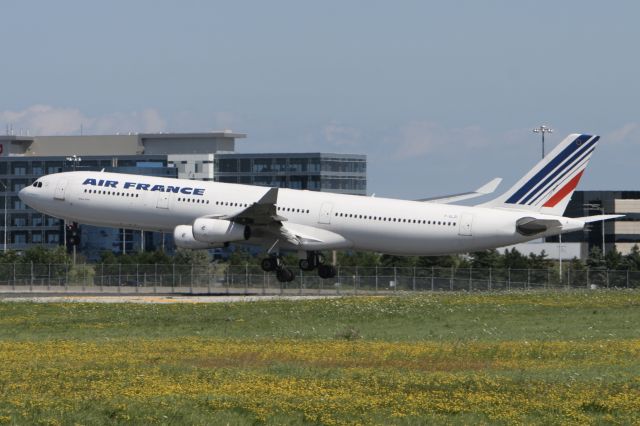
(163, 200)
(466, 222)
(325, 213)
(59, 192)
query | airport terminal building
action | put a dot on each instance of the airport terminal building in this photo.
(206, 156)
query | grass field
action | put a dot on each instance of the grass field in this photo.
(546, 358)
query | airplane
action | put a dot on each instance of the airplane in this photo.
(205, 215)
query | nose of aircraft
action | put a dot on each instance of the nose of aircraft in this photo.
(23, 194)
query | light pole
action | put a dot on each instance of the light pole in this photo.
(74, 160)
(599, 208)
(4, 245)
(542, 130)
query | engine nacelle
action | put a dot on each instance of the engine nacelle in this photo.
(183, 238)
(219, 231)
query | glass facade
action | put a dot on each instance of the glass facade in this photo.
(622, 232)
(341, 173)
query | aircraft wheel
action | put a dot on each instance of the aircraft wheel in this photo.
(284, 275)
(269, 264)
(326, 271)
(306, 265)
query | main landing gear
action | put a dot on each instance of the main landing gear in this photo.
(312, 261)
(274, 263)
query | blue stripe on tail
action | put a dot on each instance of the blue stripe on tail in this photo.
(568, 151)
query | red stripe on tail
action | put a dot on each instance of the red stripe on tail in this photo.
(566, 190)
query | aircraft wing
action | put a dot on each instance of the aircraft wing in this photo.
(485, 189)
(262, 212)
(267, 225)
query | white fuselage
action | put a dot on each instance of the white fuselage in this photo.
(367, 223)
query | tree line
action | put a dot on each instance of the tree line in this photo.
(509, 259)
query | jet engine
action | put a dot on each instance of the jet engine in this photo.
(219, 231)
(183, 238)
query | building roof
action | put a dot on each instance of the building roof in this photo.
(122, 144)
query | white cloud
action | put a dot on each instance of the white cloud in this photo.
(419, 138)
(224, 120)
(49, 120)
(340, 135)
(630, 132)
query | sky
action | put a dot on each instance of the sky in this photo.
(440, 96)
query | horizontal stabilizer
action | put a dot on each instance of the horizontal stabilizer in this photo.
(599, 217)
(485, 189)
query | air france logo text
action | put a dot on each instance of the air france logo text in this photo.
(187, 190)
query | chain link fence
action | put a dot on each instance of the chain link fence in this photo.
(248, 279)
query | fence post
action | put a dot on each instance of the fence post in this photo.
(588, 275)
(548, 279)
(395, 279)
(568, 278)
(101, 277)
(627, 278)
(451, 282)
(264, 282)
(509, 279)
(84, 277)
(301, 279)
(414, 279)
(49, 276)
(31, 278)
(377, 279)
(355, 282)
(470, 278)
(433, 277)
(490, 270)
(191, 282)
(155, 278)
(607, 277)
(246, 278)
(528, 279)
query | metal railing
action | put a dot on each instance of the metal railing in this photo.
(248, 279)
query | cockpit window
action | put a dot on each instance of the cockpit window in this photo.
(37, 184)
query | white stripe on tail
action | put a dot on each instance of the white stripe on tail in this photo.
(548, 187)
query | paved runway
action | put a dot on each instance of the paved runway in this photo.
(149, 298)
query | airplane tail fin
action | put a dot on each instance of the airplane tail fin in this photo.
(548, 187)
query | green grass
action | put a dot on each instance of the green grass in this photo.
(440, 317)
(557, 357)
